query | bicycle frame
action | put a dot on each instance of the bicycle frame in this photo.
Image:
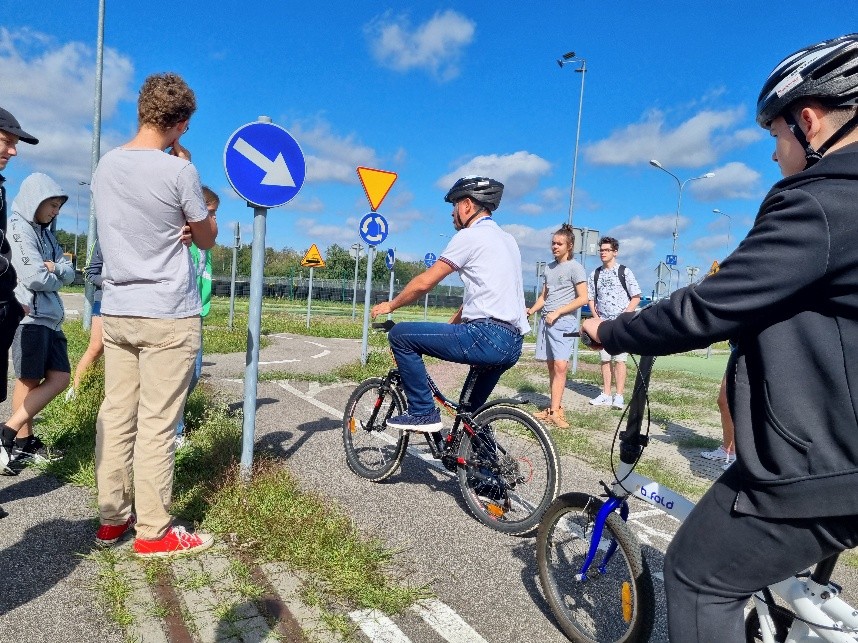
(812, 598)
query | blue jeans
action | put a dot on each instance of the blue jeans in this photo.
(489, 348)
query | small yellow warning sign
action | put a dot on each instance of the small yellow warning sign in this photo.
(713, 269)
(313, 258)
(376, 184)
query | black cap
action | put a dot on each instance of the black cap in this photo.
(9, 123)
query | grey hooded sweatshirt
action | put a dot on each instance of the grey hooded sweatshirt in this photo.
(32, 245)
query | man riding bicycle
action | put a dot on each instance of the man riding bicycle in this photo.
(789, 295)
(486, 332)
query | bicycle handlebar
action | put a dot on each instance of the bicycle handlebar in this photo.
(385, 325)
(585, 338)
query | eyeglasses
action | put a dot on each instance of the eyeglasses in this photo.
(606, 250)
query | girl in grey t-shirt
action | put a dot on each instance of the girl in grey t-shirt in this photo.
(564, 290)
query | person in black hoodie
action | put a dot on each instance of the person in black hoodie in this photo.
(11, 312)
(789, 296)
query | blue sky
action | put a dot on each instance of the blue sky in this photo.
(434, 91)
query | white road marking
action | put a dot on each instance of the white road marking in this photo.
(307, 341)
(446, 622)
(378, 627)
(652, 532)
(322, 354)
(633, 515)
(279, 361)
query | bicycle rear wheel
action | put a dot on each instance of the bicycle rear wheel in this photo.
(616, 602)
(511, 471)
(373, 451)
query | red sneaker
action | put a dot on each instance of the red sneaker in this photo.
(109, 534)
(176, 542)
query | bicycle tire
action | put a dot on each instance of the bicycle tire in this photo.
(615, 605)
(510, 480)
(372, 450)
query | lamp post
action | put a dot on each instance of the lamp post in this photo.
(565, 60)
(80, 184)
(729, 224)
(681, 185)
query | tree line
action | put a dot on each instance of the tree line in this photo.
(285, 263)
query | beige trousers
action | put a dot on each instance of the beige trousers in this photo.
(147, 368)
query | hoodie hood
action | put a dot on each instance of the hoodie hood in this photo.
(35, 189)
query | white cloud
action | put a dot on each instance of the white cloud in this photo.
(435, 46)
(331, 157)
(55, 104)
(657, 226)
(343, 233)
(519, 172)
(694, 143)
(303, 203)
(731, 181)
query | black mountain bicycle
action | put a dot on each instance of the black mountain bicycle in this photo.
(504, 459)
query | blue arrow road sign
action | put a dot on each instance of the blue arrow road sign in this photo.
(264, 164)
(670, 260)
(373, 228)
(390, 258)
(429, 259)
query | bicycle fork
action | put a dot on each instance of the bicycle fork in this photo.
(596, 537)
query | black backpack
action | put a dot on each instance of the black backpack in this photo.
(621, 273)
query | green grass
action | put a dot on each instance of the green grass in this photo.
(276, 521)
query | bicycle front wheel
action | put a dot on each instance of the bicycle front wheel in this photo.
(373, 451)
(616, 601)
(509, 471)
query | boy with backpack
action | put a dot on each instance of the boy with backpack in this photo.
(613, 290)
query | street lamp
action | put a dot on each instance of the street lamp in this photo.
(80, 184)
(729, 224)
(565, 60)
(681, 186)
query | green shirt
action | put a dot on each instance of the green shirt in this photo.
(203, 266)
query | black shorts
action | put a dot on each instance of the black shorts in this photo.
(37, 350)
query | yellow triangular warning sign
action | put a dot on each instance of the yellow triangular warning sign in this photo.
(376, 184)
(713, 269)
(313, 258)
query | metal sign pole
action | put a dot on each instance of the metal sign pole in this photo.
(309, 296)
(390, 293)
(235, 246)
(357, 248)
(425, 306)
(366, 299)
(254, 328)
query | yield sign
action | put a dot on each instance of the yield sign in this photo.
(313, 258)
(376, 184)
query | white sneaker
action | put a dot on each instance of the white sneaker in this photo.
(719, 454)
(619, 402)
(70, 395)
(729, 464)
(601, 400)
(180, 441)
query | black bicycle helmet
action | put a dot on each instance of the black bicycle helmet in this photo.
(486, 192)
(827, 71)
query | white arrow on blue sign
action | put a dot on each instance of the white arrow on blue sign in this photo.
(429, 259)
(670, 260)
(390, 258)
(373, 228)
(264, 164)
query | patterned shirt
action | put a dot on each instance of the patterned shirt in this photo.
(612, 299)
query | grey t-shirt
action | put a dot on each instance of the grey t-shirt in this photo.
(143, 198)
(561, 279)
